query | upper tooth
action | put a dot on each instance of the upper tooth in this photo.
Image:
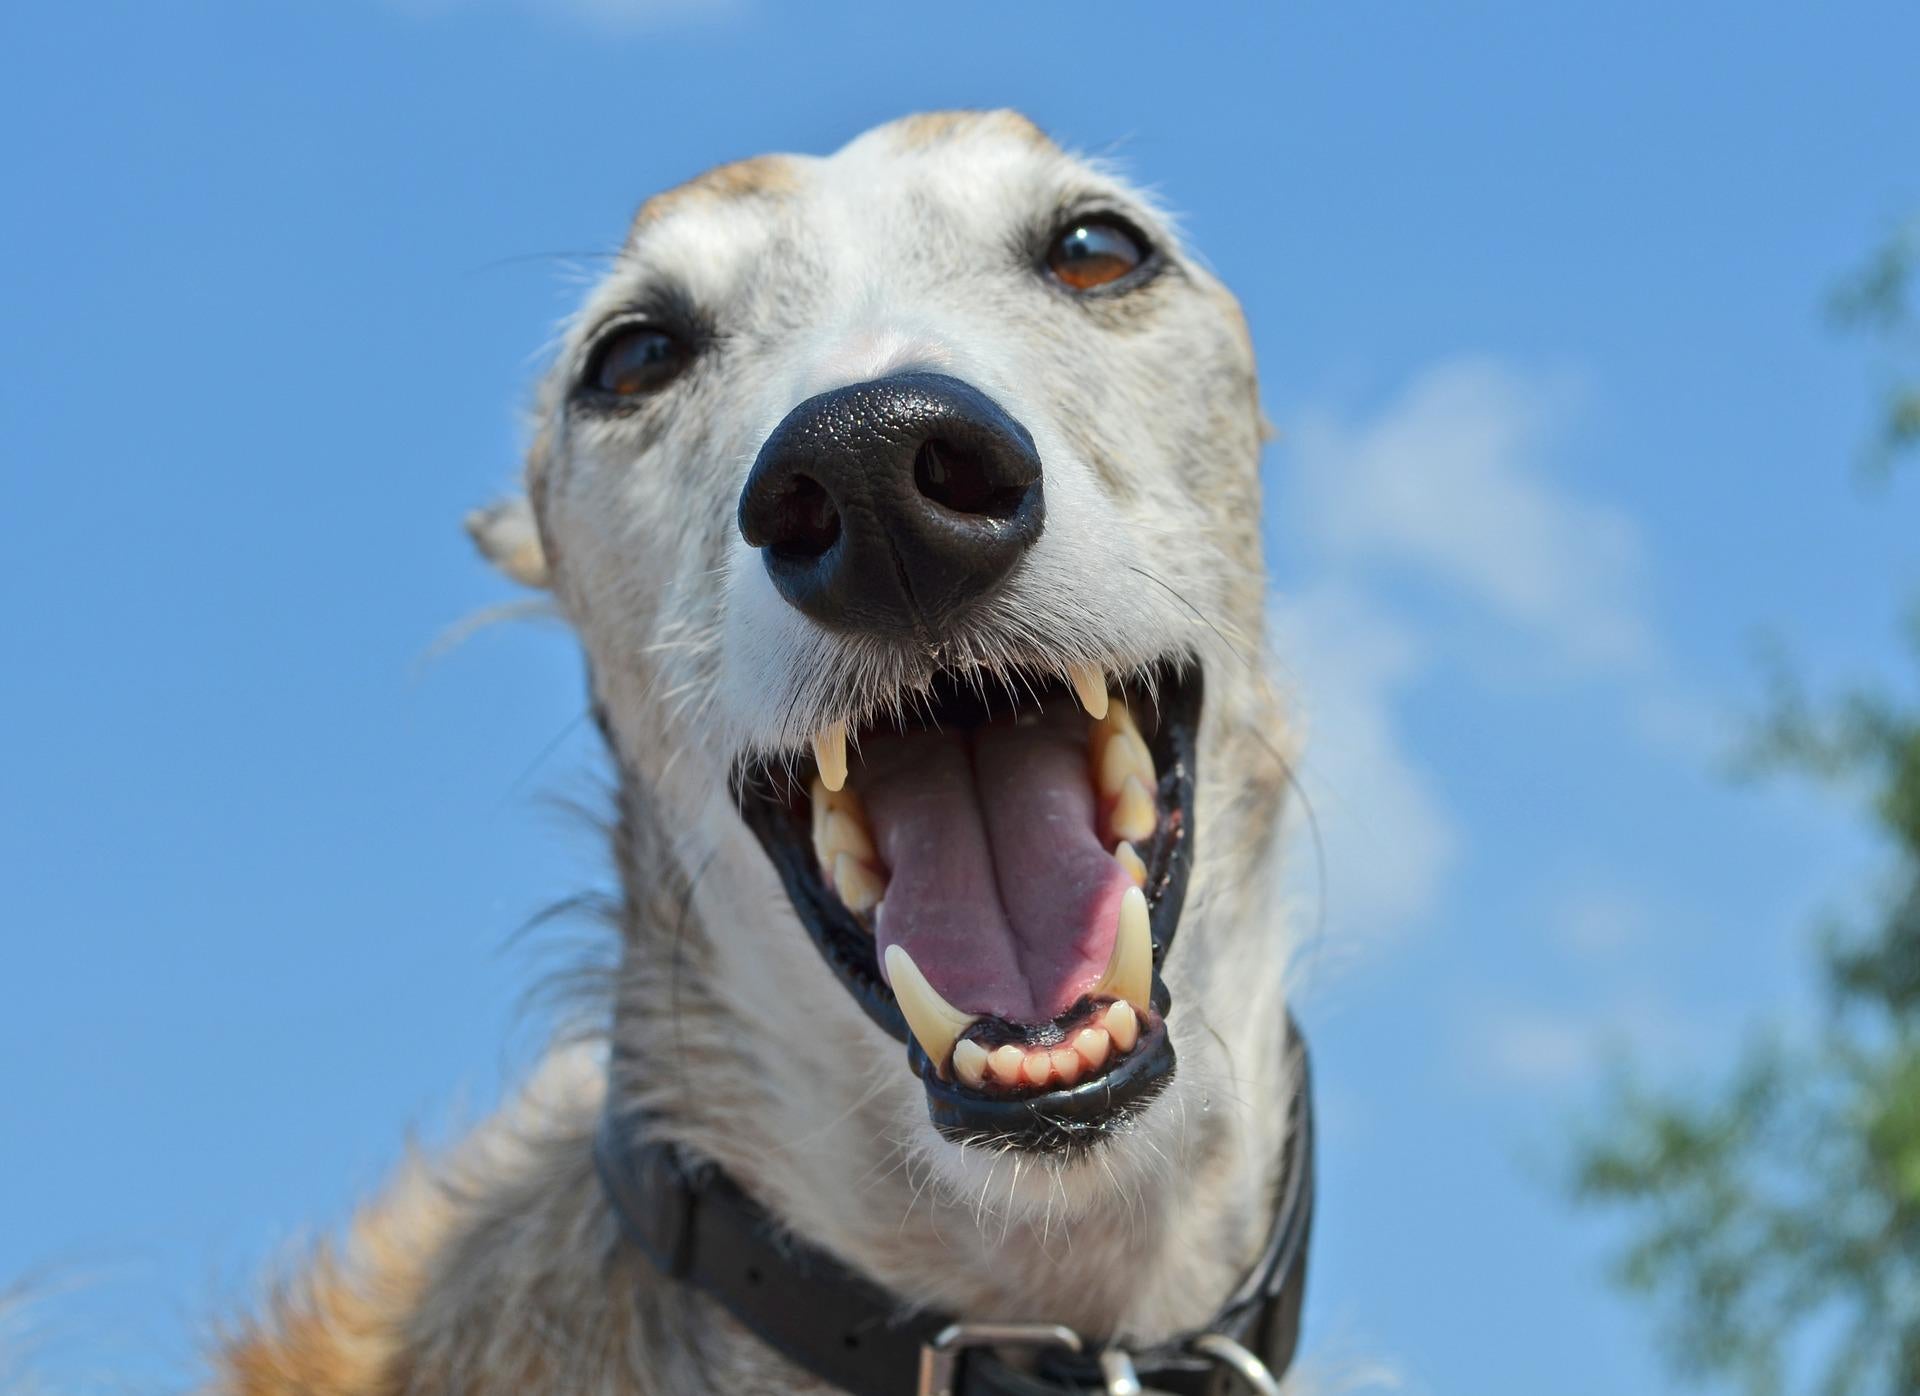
(1129, 973)
(822, 807)
(859, 886)
(935, 1022)
(830, 753)
(1124, 755)
(1128, 857)
(1122, 720)
(1134, 816)
(844, 833)
(1091, 685)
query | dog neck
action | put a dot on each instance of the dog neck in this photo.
(813, 1112)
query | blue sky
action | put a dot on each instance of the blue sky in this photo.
(1537, 297)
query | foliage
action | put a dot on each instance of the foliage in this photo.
(1777, 1220)
(1878, 301)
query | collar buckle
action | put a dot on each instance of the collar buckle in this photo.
(940, 1359)
(1225, 1352)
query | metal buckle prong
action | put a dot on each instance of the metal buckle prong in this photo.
(1219, 1348)
(1119, 1373)
(940, 1359)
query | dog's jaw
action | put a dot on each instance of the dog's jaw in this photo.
(742, 1047)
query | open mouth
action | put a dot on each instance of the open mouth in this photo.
(997, 880)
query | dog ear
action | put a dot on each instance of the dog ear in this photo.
(507, 537)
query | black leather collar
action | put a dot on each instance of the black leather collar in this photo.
(697, 1225)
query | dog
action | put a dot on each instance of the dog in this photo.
(906, 505)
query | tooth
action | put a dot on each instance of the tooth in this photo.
(1091, 1046)
(822, 807)
(857, 883)
(970, 1062)
(830, 753)
(1123, 1026)
(1038, 1068)
(844, 833)
(1129, 973)
(1005, 1063)
(1124, 755)
(935, 1022)
(1066, 1064)
(1091, 685)
(1134, 816)
(1128, 859)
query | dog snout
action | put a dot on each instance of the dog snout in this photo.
(891, 507)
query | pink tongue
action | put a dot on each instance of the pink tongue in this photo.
(999, 887)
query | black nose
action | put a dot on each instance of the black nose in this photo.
(889, 507)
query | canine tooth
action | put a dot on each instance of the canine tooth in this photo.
(1005, 1062)
(857, 883)
(935, 1022)
(1091, 685)
(1123, 1026)
(1134, 815)
(970, 1062)
(830, 753)
(1125, 855)
(1066, 1064)
(1038, 1068)
(844, 833)
(1129, 972)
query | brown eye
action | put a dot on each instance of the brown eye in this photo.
(635, 360)
(1094, 252)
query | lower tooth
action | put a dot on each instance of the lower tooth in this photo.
(1066, 1064)
(1091, 1045)
(1123, 1026)
(970, 1062)
(1005, 1064)
(935, 1022)
(1129, 972)
(1038, 1069)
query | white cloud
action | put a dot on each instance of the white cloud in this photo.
(1387, 838)
(1599, 924)
(1448, 486)
(1526, 1046)
(1449, 483)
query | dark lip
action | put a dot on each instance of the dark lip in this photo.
(1052, 1119)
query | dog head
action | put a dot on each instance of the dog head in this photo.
(906, 504)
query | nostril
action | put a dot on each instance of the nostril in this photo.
(964, 481)
(803, 522)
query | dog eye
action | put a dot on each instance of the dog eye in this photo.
(1094, 252)
(637, 359)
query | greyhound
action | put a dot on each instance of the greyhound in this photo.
(905, 502)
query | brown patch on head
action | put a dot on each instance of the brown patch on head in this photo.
(928, 129)
(761, 177)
